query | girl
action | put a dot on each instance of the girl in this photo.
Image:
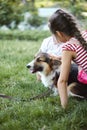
(64, 28)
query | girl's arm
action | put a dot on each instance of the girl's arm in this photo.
(64, 74)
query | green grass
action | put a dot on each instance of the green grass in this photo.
(16, 81)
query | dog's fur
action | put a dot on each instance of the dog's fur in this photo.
(49, 68)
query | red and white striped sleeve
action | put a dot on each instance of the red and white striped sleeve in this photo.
(69, 47)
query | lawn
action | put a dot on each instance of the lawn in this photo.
(16, 81)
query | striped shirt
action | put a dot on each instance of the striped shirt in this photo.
(81, 53)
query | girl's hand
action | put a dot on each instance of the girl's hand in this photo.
(62, 89)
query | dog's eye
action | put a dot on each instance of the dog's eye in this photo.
(39, 59)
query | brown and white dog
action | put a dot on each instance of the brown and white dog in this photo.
(49, 68)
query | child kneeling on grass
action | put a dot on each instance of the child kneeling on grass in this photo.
(64, 28)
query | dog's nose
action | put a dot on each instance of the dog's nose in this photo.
(28, 66)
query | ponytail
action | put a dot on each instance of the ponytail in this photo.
(79, 37)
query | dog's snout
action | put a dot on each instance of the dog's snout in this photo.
(28, 66)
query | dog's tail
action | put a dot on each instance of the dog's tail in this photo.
(78, 90)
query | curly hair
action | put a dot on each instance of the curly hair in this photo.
(65, 22)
